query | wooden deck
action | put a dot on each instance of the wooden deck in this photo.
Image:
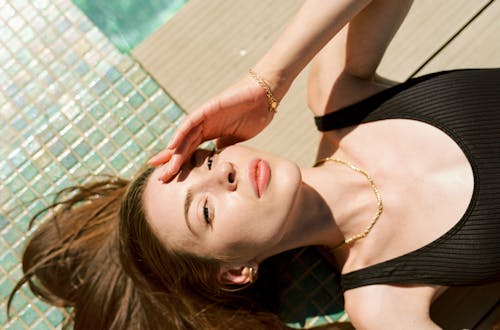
(210, 44)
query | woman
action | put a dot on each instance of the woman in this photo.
(190, 249)
(429, 205)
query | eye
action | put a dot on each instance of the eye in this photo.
(210, 159)
(206, 213)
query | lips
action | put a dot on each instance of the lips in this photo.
(259, 174)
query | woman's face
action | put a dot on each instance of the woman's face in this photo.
(229, 204)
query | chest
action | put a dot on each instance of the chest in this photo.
(425, 181)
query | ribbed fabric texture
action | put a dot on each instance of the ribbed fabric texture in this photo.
(465, 104)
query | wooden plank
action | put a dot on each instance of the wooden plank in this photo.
(428, 26)
(491, 321)
(477, 46)
(465, 307)
(210, 44)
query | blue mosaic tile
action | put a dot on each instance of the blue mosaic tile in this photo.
(110, 99)
(82, 69)
(147, 113)
(57, 147)
(69, 161)
(31, 112)
(54, 172)
(42, 325)
(119, 162)
(3, 223)
(137, 76)
(15, 185)
(113, 75)
(95, 137)
(27, 35)
(121, 136)
(70, 135)
(5, 288)
(107, 149)
(122, 112)
(19, 100)
(43, 307)
(100, 87)
(12, 89)
(82, 149)
(29, 316)
(161, 100)
(3, 316)
(29, 172)
(134, 125)
(109, 124)
(5, 170)
(160, 126)
(55, 317)
(59, 122)
(93, 162)
(42, 159)
(124, 87)
(136, 100)
(9, 260)
(149, 87)
(145, 137)
(132, 149)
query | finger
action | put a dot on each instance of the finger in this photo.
(193, 121)
(174, 165)
(226, 141)
(182, 153)
(161, 158)
(170, 169)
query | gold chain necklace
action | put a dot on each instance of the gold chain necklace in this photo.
(380, 206)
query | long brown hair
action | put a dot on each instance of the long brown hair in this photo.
(71, 260)
(182, 281)
(96, 254)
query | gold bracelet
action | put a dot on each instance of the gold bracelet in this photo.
(273, 104)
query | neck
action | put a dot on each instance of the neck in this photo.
(333, 204)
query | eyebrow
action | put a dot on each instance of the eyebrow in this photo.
(187, 205)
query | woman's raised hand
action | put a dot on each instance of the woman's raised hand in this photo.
(238, 113)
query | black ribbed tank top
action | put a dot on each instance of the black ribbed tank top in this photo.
(465, 104)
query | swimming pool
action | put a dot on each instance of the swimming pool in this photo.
(71, 105)
(127, 23)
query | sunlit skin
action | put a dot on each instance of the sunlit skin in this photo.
(228, 220)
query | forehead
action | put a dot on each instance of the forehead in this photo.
(164, 208)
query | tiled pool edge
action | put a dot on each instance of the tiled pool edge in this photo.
(70, 106)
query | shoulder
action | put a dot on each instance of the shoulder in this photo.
(390, 306)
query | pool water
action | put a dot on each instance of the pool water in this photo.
(128, 23)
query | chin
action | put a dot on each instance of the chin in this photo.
(288, 180)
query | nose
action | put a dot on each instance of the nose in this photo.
(225, 175)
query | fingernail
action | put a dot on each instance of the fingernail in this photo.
(166, 172)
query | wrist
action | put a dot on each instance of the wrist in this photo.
(279, 81)
(271, 99)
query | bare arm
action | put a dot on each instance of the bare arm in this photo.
(390, 307)
(315, 24)
(240, 111)
(343, 72)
